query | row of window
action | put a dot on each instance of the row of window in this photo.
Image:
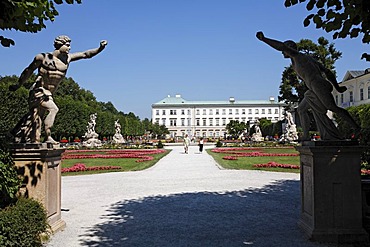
(206, 122)
(351, 98)
(217, 111)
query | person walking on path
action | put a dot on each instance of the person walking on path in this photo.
(201, 145)
(186, 143)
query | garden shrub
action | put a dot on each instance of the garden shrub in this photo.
(218, 144)
(23, 224)
(160, 144)
(361, 114)
(9, 180)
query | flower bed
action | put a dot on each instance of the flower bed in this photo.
(273, 164)
(79, 167)
(365, 172)
(237, 152)
(230, 158)
(141, 155)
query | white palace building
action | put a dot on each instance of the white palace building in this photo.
(209, 118)
(358, 89)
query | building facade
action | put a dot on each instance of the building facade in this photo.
(358, 89)
(209, 118)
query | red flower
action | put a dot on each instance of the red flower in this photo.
(79, 167)
(273, 164)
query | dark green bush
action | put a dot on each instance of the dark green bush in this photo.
(361, 114)
(22, 224)
(9, 181)
(218, 144)
(160, 144)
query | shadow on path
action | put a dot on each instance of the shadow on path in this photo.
(253, 217)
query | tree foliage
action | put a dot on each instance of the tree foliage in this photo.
(75, 106)
(236, 128)
(343, 18)
(27, 16)
(292, 89)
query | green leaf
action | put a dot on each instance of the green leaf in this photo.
(6, 42)
(320, 3)
(310, 5)
(287, 3)
(318, 21)
(354, 32)
(321, 12)
(306, 21)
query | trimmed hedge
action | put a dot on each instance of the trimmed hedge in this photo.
(23, 224)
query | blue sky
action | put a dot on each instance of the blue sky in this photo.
(201, 49)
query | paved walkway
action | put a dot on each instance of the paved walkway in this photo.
(184, 200)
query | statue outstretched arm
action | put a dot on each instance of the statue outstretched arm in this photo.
(27, 72)
(89, 53)
(277, 45)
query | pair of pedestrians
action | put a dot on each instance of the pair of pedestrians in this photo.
(187, 144)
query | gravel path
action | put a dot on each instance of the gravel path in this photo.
(184, 200)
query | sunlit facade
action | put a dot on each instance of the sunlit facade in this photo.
(209, 118)
(358, 89)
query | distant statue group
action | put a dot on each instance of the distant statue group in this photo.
(52, 68)
(257, 135)
(118, 138)
(91, 137)
(290, 130)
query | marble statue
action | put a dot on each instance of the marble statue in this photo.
(91, 137)
(290, 131)
(257, 135)
(118, 138)
(318, 97)
(243, 135)
(52, 68)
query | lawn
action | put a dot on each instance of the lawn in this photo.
(246, 158)
(102, 161)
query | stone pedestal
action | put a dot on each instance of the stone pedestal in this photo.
(331, 204)
(40, 166)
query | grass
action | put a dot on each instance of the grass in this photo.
(126, 164)
(246, 163)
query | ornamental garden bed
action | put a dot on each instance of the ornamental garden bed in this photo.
(77, 162)
(279, 159)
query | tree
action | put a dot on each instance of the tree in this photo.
(346, 18)
(236, 128)
(27, 16)
(72, 118)
(266, 127)
(69, 87)
(75, 106)
(13, 105)
(159, 131)
(292, 89)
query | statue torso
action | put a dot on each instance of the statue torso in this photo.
(51, 72)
